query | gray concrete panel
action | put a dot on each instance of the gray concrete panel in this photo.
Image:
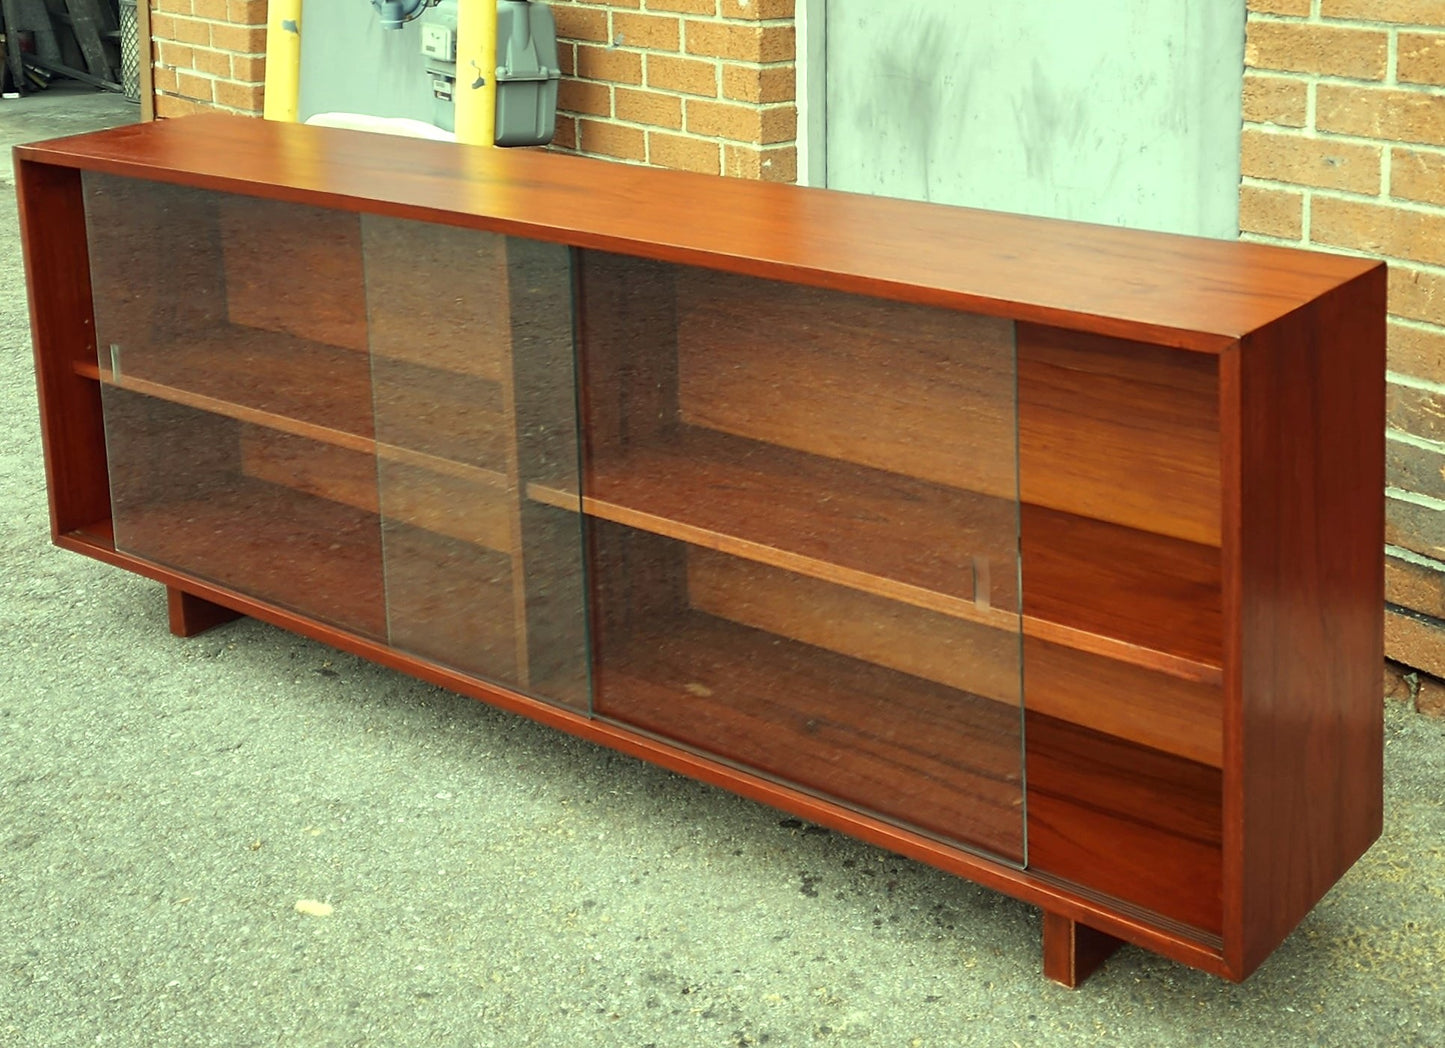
(1126, 113)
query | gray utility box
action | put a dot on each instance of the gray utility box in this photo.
(527, 69)
(527, 74)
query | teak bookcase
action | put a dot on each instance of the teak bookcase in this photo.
(1045, 553)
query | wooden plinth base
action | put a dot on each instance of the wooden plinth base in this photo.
(191, 615)
(1072, 951)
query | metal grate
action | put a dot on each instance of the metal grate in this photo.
(130, 50)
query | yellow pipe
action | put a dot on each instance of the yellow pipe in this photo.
(283, 60)
(476, 90)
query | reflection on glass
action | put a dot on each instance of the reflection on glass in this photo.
(237, 402)
(473, 390)
(803, 531)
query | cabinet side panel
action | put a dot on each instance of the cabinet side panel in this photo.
(57, 272)
(1304, 733)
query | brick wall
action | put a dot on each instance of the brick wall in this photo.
(702, 85)
(209, 54)
(1344, 147)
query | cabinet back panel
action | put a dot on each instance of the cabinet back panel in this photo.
(936, 757)
(924, 392)
(1148, 590)
(1127, 821)
(1150, 708)
(437, 296)
(473, 508)
(970, 656)
(181, 498)
(1120, 431)
(293, 269)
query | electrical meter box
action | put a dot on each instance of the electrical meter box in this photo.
(439, 58)
(527, 70)
(527, 74)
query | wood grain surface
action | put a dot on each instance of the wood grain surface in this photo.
(1304, 731)
(62, 327)
(1176, 291)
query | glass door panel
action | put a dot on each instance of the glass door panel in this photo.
(802, 513)
(236, 392)
(474, 396)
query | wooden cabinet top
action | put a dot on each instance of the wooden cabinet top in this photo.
(1185, 292)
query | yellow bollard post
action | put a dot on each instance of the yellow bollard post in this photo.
(476, 90)
(283, 60)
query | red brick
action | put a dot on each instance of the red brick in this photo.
(683, 152)
(757, 10)
(1377, 112)
(1326, 50)
(1418, 351)
(1420, 58)
(742, 123)
(606, 63)
(240, 39)
(170, 53)
(754, 83)
(1280, 7)
(767, 163)
(170, 7)
(190, 31)
(1417, 175)
(565, 137)
(1417, 586)
(614, 140)
(1414, 466)
(216, 63)
(690, 76)
(649, 32)
(247, 97)
(584, 96)
(248, 69)
(1378, 229)
(739, 41)
(687, 7)
(648, 107)
(170, 105)
(1271, 212)
(246, 12)
(1417, 294)
(1282, 100)
(580, 23)
(1323, 162)
(193, 86)
(215, 10)
(1415, 12)
(1415, 643)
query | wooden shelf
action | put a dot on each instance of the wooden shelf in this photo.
(878, 532)
(269, 374)
(324, 393)
(943, 760)
(786, 509)
(334, 478)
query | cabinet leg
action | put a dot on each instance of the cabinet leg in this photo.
(1072, 951)
(190, 614)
